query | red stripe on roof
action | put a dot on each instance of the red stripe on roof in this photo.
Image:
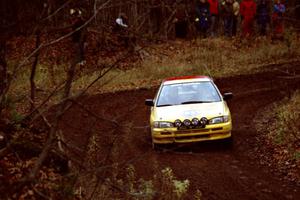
(184, 77)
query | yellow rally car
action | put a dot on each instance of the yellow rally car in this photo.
(189, 109)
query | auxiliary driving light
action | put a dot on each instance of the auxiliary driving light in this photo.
(195, 121)
(187, 122)
(203, 121)
(177, 123)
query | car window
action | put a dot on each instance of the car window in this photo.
(195, 92)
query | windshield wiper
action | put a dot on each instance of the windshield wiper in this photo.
(164, 105)
(191, 102)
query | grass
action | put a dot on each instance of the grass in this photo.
(280, 126)
(286, 127)
(214, 57)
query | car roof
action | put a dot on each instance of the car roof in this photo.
(185, 79)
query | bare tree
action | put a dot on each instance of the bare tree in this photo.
(3, 73)
(33, 70)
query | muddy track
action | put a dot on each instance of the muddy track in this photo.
(218, 171)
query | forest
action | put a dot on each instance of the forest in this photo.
(74, 75)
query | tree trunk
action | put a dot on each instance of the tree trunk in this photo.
(3, 74)
(54, 127)
(33, 71)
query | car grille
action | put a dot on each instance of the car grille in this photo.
(205, 130)
(193, 137)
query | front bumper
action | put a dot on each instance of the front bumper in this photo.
(173, 135)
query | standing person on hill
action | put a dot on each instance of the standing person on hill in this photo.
(248, 12)
(277, 18)
(121, 29)
(236, 14)
(214, 16)
(202, 17)
(227, 15)
(181, 21)
(79, 35)
(263, 16)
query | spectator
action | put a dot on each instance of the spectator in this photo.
(277, 19)
(121, 28)
(214, 16)
(181, 21)
(121, 22)
(202, 17)
(248, 11)
(297, 10)
(263, 16)
(236, 13)
(227, 15)
(156, 14)
(79, 35)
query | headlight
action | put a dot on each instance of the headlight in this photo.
(219, 120)
(163, 125)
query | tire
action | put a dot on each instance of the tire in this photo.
(156, 147)
(228, 142)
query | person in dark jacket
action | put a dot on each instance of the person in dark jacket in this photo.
(79, 34)
(227, 15)
(236, 15)
(181, 21)
(263, 16)
(202, 17)
(121, 29)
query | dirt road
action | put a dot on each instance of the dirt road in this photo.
(219, 172)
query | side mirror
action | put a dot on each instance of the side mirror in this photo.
(149, 102)
(227, 96)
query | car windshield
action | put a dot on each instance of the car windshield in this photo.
(188, 93)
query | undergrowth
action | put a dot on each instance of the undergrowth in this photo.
(280, 128)
(286, 129)
(163, 186)
(122, 181)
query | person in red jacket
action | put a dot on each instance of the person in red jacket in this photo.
(248, 12)
(214, 16)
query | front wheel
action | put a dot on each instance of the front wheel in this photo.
(228, 142)
(157, 147)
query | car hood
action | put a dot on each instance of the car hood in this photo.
(189, 111)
